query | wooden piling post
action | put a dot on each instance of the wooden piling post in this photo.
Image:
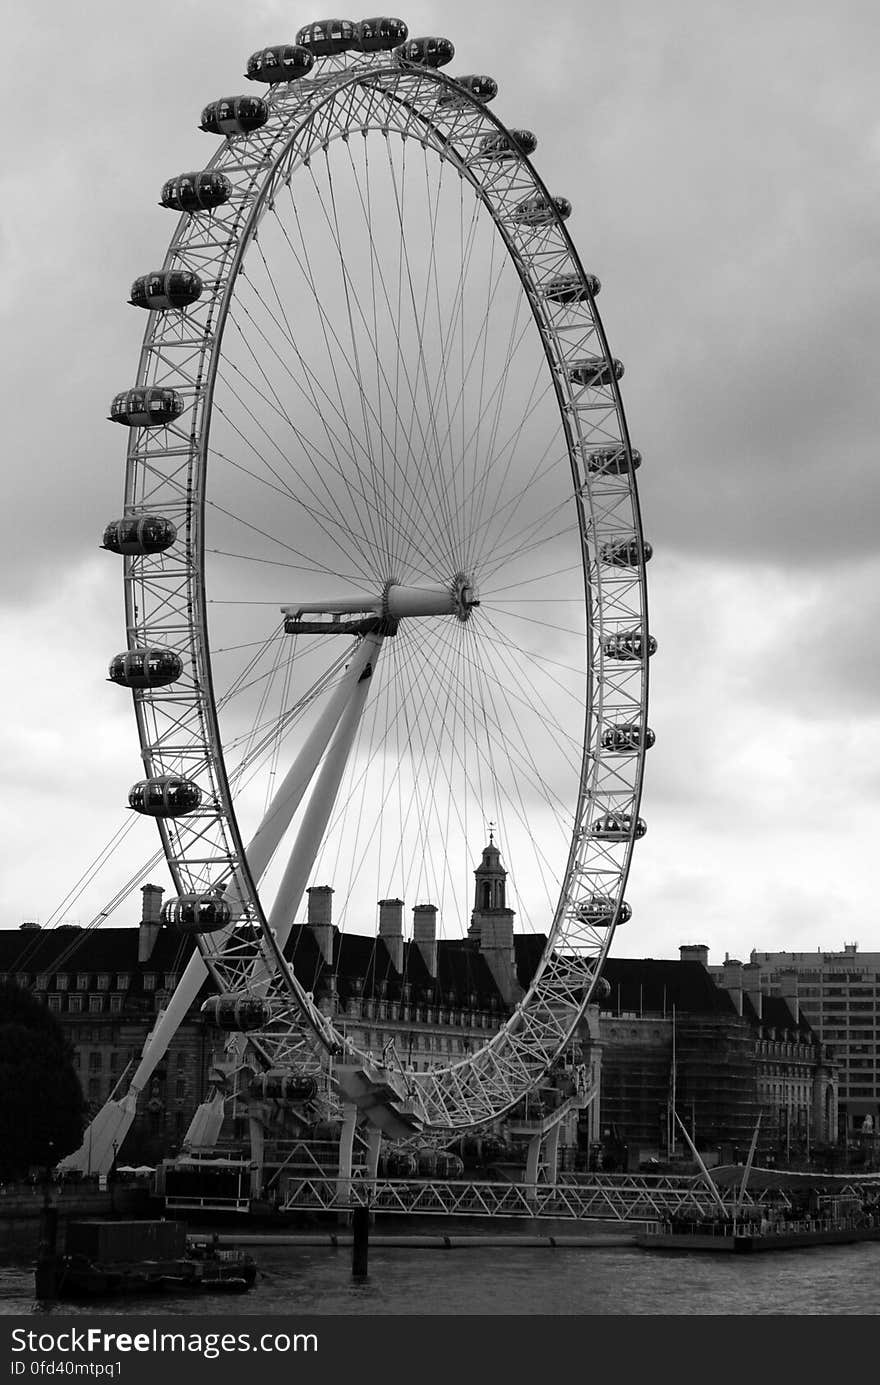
(360, 1227)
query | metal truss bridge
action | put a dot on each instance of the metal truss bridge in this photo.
(609, 1197)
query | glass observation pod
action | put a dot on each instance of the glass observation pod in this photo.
(150, 407)
(626, 552)
(196, 913)
(611, 461)
(286, 62)
(615, 827)
(237, 1014)
(628, 644)
(432, 1163)
(627, 736)
(481, 88)
(507, 144)
(328, 36)
(139, 534)
(379, 35)
(426, 52)
(234, 115)
(166, 288)
(595, 370)
(195, 192)
(541, 211)
(282, 1086)
(571, 288)
(601, 908)
(165, 797)
(398, 1164)
(146, 668)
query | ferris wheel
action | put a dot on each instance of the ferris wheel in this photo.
(383, 559)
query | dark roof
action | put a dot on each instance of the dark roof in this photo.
(639, 984)
(89, 951)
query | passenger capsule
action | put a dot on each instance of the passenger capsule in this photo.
(507, 144)
(237, 1014)
(426, 1160)
(626, 737)
(601, 988)
(483, 89)
(280, 1085)
(397, 1163)
(594, 371)
(602, 909)
(618, 827)
(146, 668)
(426, 52)
(165, 797)
(571, 288)
(328, 36)
(166, 288)
(612, 461)
(234, 115)
(449, 1165)
(541, 211)
(139, 534)
(628, 645)
(195, 192)
(149, 407)
(626, 552)
(285, 62)
(379, 35)
(197, 913)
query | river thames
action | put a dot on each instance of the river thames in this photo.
(521, 1281)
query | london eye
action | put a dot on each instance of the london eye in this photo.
(384, 568)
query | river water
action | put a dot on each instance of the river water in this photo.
(521, 1281)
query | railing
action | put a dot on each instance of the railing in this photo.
(630, 1199)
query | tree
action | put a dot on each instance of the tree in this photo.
(41, 1102)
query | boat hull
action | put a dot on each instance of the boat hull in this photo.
(752, 1243)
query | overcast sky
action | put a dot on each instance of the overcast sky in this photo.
(723, 163)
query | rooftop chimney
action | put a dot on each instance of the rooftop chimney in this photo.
(732, 981)
(425, 934)
(320, 919)
(752, 986)
(790, 994)
(151, 920)
(694, 952)
(391, 930)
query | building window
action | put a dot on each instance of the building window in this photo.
(114, 1060)
(96, 1004)
(22, 978)
(94, 1089)
(170, 980)
(43, 981)
(123, 981)
(55, 1004)
(61, 981)
(115, 1004)
(82, 981)
(149, 981)
(75, 1004)
(104, 981)
(95, 1062)
(180, 1088)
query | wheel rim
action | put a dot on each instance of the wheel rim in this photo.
(303, 165)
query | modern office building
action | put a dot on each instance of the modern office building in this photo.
(839, 994)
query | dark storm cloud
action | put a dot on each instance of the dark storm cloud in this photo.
(722, 162)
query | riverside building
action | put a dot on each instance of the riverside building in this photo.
(669, 1036)
(839, 994)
